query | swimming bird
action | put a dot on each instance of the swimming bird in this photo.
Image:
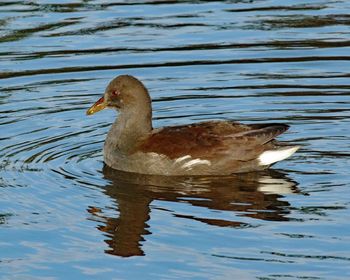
(204, 148)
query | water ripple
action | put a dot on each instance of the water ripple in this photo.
(252, 61)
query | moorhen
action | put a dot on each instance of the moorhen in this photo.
(205, 148)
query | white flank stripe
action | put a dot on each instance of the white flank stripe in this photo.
(182, 158)
(269, 157)
(197, 161)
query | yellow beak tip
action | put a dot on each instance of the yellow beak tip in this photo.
(98, 106)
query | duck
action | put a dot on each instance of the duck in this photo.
(209, 148)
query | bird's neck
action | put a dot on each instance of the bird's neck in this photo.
(128, 129)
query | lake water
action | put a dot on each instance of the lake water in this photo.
(63, 215)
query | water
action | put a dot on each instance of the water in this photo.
(63, 215)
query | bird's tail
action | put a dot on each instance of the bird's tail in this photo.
(271, 156)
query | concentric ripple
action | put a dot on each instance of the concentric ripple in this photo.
(61, 209)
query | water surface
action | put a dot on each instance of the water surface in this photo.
(64, 215)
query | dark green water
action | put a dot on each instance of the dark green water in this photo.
(64, 216)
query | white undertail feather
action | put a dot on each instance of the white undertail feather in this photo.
(272, 156)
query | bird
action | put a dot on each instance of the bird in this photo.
(209, 148)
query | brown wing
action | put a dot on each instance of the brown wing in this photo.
(211, 139)
(259, 134)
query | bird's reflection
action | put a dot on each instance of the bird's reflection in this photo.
(255, 195)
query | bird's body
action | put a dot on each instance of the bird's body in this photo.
(206, 148)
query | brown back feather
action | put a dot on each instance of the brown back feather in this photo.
(208, 140)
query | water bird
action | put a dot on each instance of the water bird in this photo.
(204, 148)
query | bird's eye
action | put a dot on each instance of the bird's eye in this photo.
(115, 93)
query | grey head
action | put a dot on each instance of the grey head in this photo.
(124, 93)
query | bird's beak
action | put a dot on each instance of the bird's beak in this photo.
(98, 106)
